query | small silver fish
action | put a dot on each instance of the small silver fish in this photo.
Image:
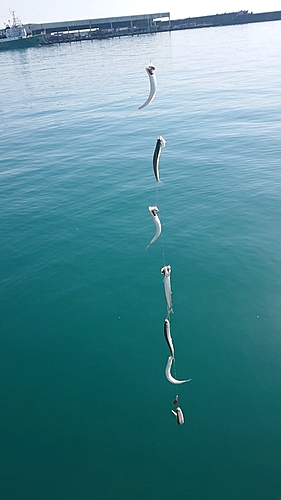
(153, 85)
(160, 143)
(153, 210)
(168, 374)
(166, 270)
(168, 337)
(179, 415)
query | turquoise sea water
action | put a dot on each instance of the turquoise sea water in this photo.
(85, 405)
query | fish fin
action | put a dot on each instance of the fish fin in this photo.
(159, 182)
(174, 413)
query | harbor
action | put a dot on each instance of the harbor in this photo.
(86, 403)
(96, 29)
(24, 35)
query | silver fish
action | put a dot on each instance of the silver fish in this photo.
(179, 415)
(168, 374)
(166, 270)
(153, 210)
(153, 85)
(160, 143)
(168, 337)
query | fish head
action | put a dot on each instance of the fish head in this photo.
(150, 69)
(167, 322)
(153, 210)
(162, 141)
(166, 270)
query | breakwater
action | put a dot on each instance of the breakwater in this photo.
(232, 18)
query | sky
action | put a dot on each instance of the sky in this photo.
(36, 11)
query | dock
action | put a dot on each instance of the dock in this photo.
(68, 31)
(91, 29)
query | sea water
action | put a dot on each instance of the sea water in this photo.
(85, 405)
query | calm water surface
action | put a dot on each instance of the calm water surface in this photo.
(85, 405)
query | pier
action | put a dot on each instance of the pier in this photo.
(90, 29)
(67, 31)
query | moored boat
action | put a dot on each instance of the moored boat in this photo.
(14, 36)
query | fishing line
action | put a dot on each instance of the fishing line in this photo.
(174, 368)
(157, 214)
(161, 236)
